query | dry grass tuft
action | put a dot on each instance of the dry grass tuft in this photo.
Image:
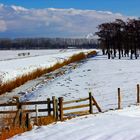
(91, 53)
(45, 120)
(9, 130)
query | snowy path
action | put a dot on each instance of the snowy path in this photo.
(113, 125)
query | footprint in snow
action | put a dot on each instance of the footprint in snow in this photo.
(62, 85)
(77, 90)
(76, 85)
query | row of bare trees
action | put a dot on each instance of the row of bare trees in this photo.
(47, 43)
(120, 36)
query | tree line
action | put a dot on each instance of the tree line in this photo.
(46, 43)
(120, 36)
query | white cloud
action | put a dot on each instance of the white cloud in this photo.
(2, 26)
(50, 22)
(19, 8)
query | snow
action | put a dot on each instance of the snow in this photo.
(112, 125)
(100, 76)
(13, 66)
(97, 74)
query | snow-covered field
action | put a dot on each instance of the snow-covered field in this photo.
(14, 54)
(113, 125)
(100, 76)
(12, 65)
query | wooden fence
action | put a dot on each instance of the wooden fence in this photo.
(58, 108)
(55, 107)
(120, 97)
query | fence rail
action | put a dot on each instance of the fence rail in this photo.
(76, 101)
(55, 107)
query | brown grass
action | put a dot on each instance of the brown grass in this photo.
(7, 133)
(9, 130)
(92, 53)
(10, 85)
(44, 120)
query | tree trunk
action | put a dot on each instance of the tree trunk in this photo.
(119, 54)
(103, 51)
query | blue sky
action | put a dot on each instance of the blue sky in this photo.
(61, 18)
(126, 7)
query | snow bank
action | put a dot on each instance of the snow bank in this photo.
(113, 125)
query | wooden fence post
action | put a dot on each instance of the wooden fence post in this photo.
(54, 106)
(49, 106)
(17, 118)
(96, 104)
(19, 115)
(138, 94)
(27, 123)
(119, 99)
(90, 103)
(21, 118)
(36, 110)
(56, 109)
(61, 108)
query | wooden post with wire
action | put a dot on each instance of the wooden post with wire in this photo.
(119, 99)
(138, 94)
